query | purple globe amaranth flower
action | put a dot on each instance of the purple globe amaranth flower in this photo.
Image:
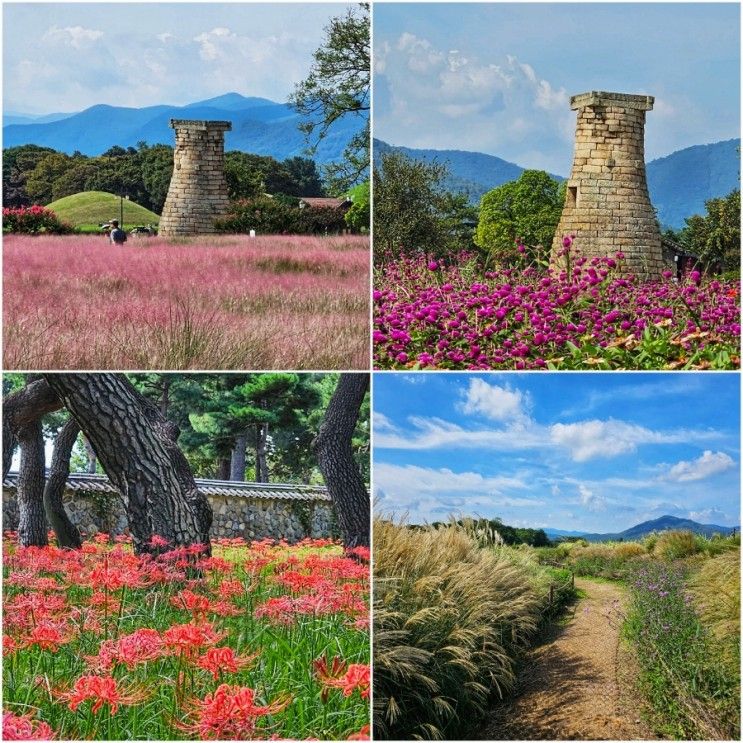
(432, 265)
(567, 241)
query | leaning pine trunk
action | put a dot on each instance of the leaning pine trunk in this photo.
(66, 532)
(137, 448)
(335, 458)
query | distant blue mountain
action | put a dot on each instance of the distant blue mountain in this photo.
(10, 117)
(664, 523)
(679, 184)
(259, 125)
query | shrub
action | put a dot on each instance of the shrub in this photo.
(33, 220)
(449, 621)
(609, 560)
(672, 545)
(269, 216)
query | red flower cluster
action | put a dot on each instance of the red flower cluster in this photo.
(102, 690)
(24, 727)
(230, 713)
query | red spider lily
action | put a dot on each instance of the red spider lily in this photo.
(105, 602)
(24, 727)
(102, 689)
(196, 603)
(48, 635)
(361, 553)
(217, 564)
(189, 639)
(363, 734)
(230, 713)
(143, 645)
(285, 609)
(157, 541)
(230, 588)
(224, 609)
(10, 646)
(220, 660)
(349, 678)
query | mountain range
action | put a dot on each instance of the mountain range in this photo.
(679, 183)
(664, 523)
(259, 126)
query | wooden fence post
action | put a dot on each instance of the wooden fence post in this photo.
(552, 593)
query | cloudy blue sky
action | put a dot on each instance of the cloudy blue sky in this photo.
(594, 452)
(497, 77)
(63, 57)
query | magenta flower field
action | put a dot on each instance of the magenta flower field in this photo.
(227, 302)
(431, 315)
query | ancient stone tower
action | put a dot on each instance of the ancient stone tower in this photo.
(198, 189)
(607, 206)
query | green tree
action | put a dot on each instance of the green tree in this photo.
(40, 181)
(409, 207)
(358, 216)
(715, 236)
(338, 85)
(526, 210)
(18, 163)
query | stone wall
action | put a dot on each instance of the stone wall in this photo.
(197, 194)
(607, 205)
(234, 516)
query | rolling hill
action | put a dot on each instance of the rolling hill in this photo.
(97, 207)
(679, 184)
(664, 523)
(259, 126)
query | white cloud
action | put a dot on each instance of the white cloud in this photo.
(75, 36)
(609, 438)
(382, 422)
(712, 516)
(495, 402)
(710, 463)
(590, 500)
(429, 90)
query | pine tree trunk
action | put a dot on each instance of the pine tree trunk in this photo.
(25, 406)
(92, 459)
(223, 468)
(32, 529)
(335, 458)
(68, 536)
(237, 464)
(137, 448)
(261, 466)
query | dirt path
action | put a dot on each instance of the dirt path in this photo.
(575, 684)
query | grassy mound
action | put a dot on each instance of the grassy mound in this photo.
(92, 208)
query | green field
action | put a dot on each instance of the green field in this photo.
(89, 209)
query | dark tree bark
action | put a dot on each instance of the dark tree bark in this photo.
(237, 464)
(32, 529)
(261, 465)
(137, 448)
(223, 468)
(68, 537)
(335, 458)
(22, 407)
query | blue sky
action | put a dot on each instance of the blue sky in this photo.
(594, 452)
(498, 77)
(67, 56)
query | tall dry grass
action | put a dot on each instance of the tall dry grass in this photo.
(716, 590)
(449, 621)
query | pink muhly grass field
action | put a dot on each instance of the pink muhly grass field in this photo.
(218, 302)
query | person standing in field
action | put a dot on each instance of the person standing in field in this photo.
(117, 236)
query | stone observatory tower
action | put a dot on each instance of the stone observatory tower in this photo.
(197, 194)
(607, 206)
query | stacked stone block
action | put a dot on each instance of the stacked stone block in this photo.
(197, 195)
(607, 205)
(234, 516)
